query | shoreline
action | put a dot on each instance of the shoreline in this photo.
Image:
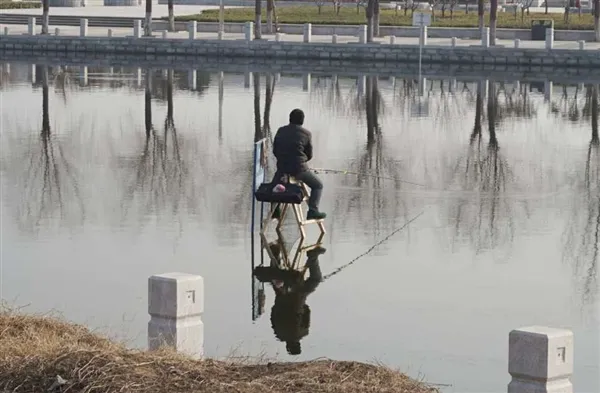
(43, 353)
(302, 51)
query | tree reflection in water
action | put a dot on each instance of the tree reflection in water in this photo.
(490, 222)
(582, 234)
(373, 191)
(50, 185)
(162, 180)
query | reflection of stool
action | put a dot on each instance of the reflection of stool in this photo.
(299, 214)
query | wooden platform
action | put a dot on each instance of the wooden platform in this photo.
(300, 219)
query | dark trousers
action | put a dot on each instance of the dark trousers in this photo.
(312, 181)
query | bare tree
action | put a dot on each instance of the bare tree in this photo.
(258, 19)
(148, 20)
(372, 19)
(45, 16)
(525, 7)
(320, 4)
(171, 15)
(270, 11)
(481, 14)
(337, 6)
(412, 5)
(493, 20)
(597, 19)
(452, 5)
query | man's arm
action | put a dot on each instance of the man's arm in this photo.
(308, 149)
(276, 144)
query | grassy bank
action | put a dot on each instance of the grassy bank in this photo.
(348, 15)
(11, 5)
(34, 350)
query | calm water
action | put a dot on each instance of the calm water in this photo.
(110, 188)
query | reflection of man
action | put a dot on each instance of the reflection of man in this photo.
(290, 315)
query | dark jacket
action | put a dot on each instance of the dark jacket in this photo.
(293, 149)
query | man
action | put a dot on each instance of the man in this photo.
(293, 149)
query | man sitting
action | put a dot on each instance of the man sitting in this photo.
(293, 149)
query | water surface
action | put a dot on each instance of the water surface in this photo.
(110, 176)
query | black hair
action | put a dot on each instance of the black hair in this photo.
(297, 117)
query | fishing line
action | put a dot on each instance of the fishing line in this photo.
(339, 269)
(344, 172)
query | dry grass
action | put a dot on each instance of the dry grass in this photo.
(35, 349)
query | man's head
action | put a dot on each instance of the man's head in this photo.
(297, 117)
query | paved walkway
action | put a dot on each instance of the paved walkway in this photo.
(158, 11)
(123, 32)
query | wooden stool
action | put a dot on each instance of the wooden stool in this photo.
(299, 215)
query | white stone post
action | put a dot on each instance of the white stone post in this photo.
(540, 360)
(192, 28)
(31, 26)
(175, 305)
(582, 44)
(549, 38)
(334, 39)
(247, 78)
(6, 30)
(83, 27)
(248, 30)
(164, 34)
(138, 77)
(517, 43)
(220, 35)
(392, 40)
(278, 37)
(109, 33)
(485, 37)
(453, 42)
(362, 34)
(56, 31)
(423, 36)
(32, 74)
(137, 28)
(306, 82)
(307, 32)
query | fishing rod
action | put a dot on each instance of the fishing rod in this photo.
(345, 172)
(339, 269)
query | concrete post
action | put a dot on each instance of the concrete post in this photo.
(83, 75)
(175, 305)
(485, 37)
(334, 39)
(6, 68)
(362, 34)
(247, 78)
(220, 35)
(248, 30)
(392, 40)
(549, 38)
(137, 28)
(452, 85)
(306, 82)
(192, 28)
(540, 359)
(278, 37)
(138, 77)
(393, 82)
(517, 43)
(83, 27)
(307, 32)
(453, 42)
(164, 34)
(109, 33)
(423, 36)
(6, 30)
(277, 77)
(31, 26)
(581, 45)
(192, 79)
(56, 31)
